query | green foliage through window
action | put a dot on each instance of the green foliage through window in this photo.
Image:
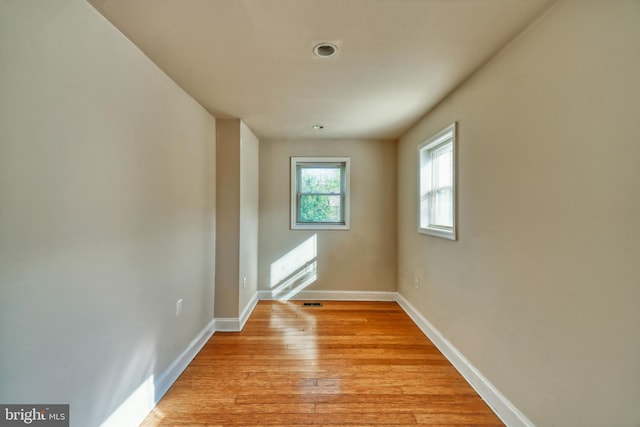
(319, 209)
(320, 193)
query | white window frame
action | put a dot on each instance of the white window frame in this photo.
(330, 161)
(444, 137)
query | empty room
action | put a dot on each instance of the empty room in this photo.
(319, 212)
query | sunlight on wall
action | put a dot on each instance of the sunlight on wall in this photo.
(295, 270)
(136, 407)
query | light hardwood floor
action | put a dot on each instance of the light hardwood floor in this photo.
(345, 363)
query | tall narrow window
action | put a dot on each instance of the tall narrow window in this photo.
(437, 172)
(320, 193)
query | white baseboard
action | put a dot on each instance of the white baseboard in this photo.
(140, 403)
(236, 324)
(248, 309)
(227, 324)
(335, 296)
(503, 408)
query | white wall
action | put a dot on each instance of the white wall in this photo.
(360, 259)
(228, 217)
(237, 236)
(249, 169)
(541, 291)
(107, 191)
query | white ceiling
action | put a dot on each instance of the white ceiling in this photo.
(253, 59)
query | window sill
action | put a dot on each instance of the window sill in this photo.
(320, 227)
(436, 232)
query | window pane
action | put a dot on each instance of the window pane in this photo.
(320, 193)
(320, 208)
(319, 180)
(443, 164)
(437, 191)
(442, 208)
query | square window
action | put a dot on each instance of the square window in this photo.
(437, 184)
(320, 193)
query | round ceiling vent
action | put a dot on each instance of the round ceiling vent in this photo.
(325, 50)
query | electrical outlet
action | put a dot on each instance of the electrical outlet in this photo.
(416, 283)
(179, 307)
(244, 282)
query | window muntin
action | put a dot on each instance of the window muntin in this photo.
(319, 193)
(437, 192)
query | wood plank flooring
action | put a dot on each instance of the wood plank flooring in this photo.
(345, 363)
